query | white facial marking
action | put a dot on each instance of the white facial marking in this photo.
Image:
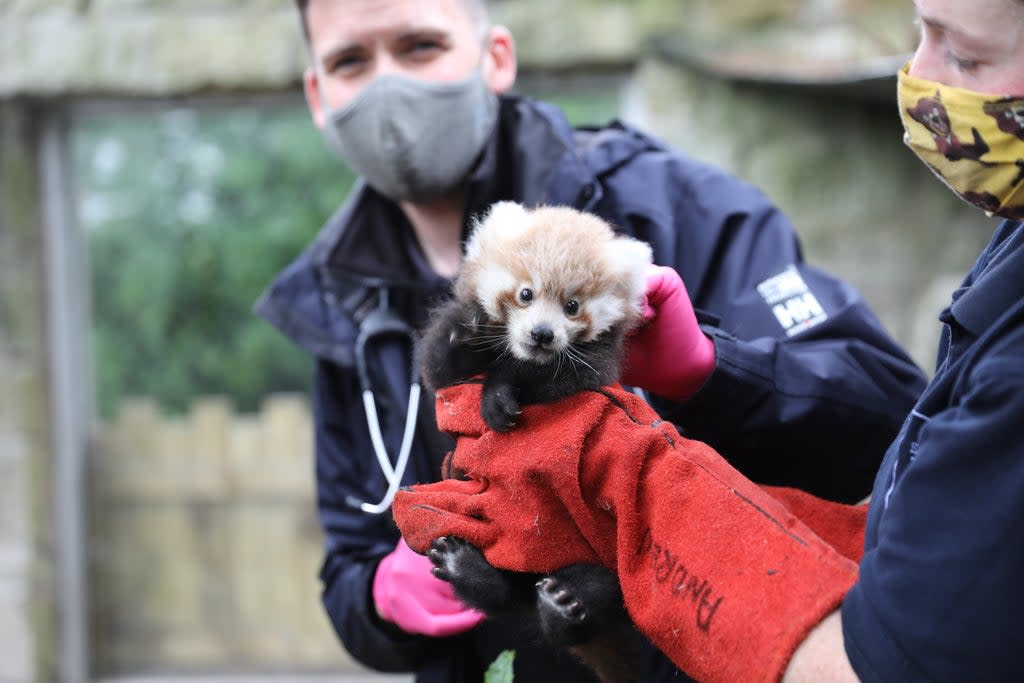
(494, 281)
(605, 311)
(522, 322)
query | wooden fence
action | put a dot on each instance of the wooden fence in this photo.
(204, 541)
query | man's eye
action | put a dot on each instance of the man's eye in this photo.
(961, 63)
(346, 63)
(423, 49)
(426, 45)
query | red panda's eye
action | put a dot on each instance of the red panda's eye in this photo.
(572, 307)
(526, 295)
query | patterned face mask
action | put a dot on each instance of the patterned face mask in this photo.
(973, 142)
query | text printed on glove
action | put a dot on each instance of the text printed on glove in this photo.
(670, 572)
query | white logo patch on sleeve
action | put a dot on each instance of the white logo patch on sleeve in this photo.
(793, 304)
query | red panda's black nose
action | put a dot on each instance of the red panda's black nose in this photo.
(542, 334)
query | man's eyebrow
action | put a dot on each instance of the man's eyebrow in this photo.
(939, 25)
(934, 23)
(401, 35)
(332, 53)
(420, 33)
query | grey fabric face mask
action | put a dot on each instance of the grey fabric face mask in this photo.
(413, 140)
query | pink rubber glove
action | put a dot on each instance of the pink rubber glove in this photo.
(668, 355)
(407, 594)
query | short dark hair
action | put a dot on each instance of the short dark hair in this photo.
(477, 10)
(302, 5)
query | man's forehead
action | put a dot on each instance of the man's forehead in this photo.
(342, 21)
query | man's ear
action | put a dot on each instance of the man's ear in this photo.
(311, 86)
(499, 64)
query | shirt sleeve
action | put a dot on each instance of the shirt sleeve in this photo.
(939, 596)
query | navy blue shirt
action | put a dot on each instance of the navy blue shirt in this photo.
(940, 596)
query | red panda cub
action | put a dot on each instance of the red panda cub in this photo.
(541, 307)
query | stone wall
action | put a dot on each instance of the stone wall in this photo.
(138, 47)
(26, 542)
(146, 47)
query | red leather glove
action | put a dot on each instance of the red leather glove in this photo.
(717, 573)
(407, 594)
(841, 526)
(668, 355)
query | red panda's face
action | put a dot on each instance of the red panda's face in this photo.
(553, 279)
(543, 319)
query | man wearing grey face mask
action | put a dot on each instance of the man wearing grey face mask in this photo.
(414, 96)
(410, 106)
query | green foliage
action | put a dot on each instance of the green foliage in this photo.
(188, 215)
(500, 670)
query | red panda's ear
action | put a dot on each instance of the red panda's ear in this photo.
(503, 218)
(506, 214)
(631, 258)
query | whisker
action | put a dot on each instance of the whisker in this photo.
(492, 346)
(579, 356)
(487, 339)
(559, 362)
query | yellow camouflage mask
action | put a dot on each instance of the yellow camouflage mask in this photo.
(972, 141)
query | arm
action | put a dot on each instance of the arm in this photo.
(821, 658)
(950, 527)
(959, 507)
(935, 597)
(669, 515)
(842, 378)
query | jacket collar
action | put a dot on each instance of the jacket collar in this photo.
(1000, 285)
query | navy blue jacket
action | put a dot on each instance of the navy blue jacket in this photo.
(939, 595)
(808, 389)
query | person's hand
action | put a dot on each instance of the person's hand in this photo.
(408, 595)
(723, 576)
(668, 355)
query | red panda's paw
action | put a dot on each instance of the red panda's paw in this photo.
(499, 407)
